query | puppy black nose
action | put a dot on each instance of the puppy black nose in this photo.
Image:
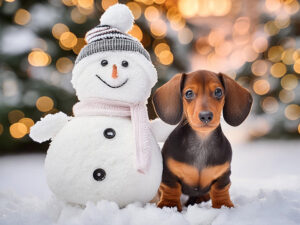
(99, 174)
(206, 116)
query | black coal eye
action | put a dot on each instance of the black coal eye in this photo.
(109, 133)
(104, 62)
(218, 93)
(124, 63)
(189, 94)
(99, 174)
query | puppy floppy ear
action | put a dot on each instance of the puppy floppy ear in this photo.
(238, 101)
(167, 100)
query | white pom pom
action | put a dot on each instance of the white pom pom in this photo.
(118, 16)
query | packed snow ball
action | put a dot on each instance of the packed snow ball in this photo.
(118, 16)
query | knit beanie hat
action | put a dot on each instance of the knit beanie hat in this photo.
(111, 34)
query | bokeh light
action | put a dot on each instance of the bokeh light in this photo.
(190, 8)
(286, 96)
(151, 13)
(87, 4)
(242, 25)
(270, 104)
(136, 32)
(297, 66)
(289, 82)
(287, 56)
(185, 36)
(64, 65)
(22, 17)
(18, 130)
(274, 53)
(159, 1)
(215, 37)
(68, 40)
(261, 87)
(39, 58)
(135, 9)
(77, 16)
(69, 2)
(271, 28)
(15, 115)
(224, 49)
(58, 29)
(158, 28)
(27, 122)
(44, 104)
(292, 112)
(249, 54)
(291, 7)
(282, 21)
(79, 45)
(106, 3)
(260, 44)
(165, 57)
(272, 5)
(278, 70)
(259, 67)
(161, 47)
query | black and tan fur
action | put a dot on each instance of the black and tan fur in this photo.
(197, 155)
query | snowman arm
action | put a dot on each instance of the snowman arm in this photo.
(160, 129)
(48, 127)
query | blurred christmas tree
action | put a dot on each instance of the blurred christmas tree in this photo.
(40, 40)
(276, 71)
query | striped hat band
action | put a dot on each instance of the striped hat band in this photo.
(106, 38)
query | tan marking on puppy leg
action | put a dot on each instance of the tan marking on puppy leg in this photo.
(156, 198)
(170, 196)
(220, 197)
(185, 172)
(209, 174)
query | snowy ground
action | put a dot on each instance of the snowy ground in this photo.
(265, 190)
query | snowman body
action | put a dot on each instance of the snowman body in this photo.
(89, 144)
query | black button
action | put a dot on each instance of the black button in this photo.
(196, 189)
(124, 63)
(99, 174)
(104, 62)
(109, 133)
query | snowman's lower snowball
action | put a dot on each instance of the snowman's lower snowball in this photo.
(80, 152)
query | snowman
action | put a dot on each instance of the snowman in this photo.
(107, 151)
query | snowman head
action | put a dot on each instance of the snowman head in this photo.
(114, 65)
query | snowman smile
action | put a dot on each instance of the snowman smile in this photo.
(109, 85)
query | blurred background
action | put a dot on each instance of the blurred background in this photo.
(256, 42)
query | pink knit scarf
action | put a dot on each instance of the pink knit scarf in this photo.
(139, 118)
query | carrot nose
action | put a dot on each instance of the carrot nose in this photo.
(114, 72)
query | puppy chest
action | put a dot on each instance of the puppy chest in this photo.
(195, 177)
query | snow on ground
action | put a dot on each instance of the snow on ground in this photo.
(265, 190)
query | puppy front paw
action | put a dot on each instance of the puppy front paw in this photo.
(166, 203)
(219, 204)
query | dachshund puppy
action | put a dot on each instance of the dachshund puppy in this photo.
(197, 155)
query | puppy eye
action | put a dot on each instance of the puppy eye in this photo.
(124, 63)
(104, 62)
(189, 94)
(218, 93)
